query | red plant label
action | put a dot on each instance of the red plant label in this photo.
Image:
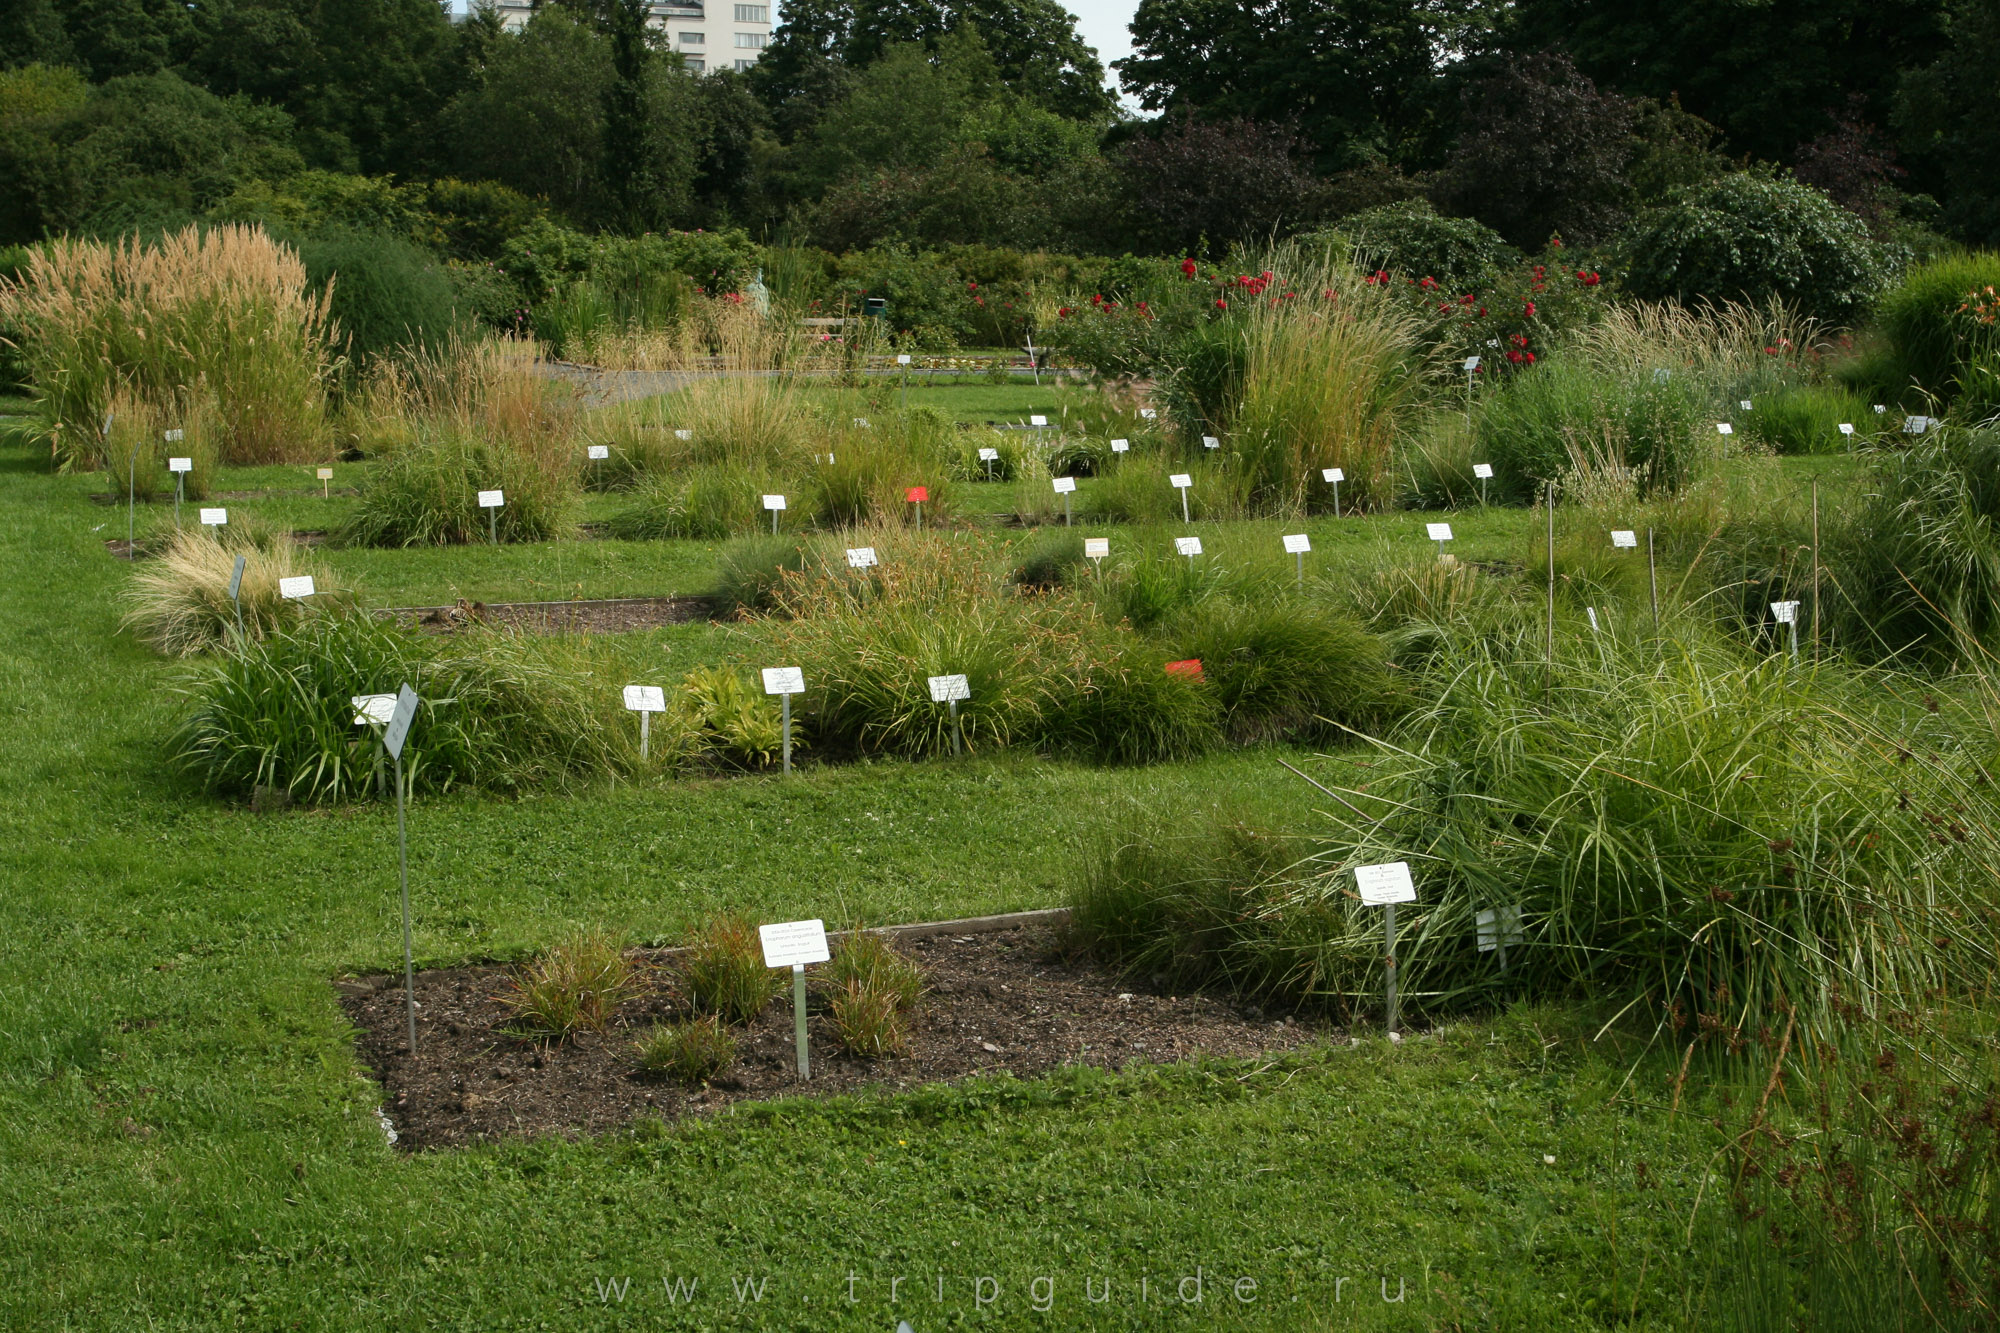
(916, 495)
(1186, 667)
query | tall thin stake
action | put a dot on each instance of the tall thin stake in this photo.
(1389, 962)
(403, 873)
(1653, 577)
(1549, 679)
(1815, 583)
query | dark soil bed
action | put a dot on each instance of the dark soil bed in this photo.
(609, 616)
(1006, 1000)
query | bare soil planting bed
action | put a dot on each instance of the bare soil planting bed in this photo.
(1010, 1001)
(613, 615)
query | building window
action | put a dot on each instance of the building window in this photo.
(753, 40)
(693, 64)
(753, 13)
(691, 39)
(743, 65)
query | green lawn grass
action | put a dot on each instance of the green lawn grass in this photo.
(187, 1140)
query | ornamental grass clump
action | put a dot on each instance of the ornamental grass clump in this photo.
(569, 988)
(693, 1051)
(501, 712)
(1728, 835)
(225, 308)
(725, 973)
(179, 601)
(427, 494)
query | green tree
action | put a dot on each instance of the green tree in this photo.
(1771, 75)
(1034, 44)
(1948, 114)
(1357, 77)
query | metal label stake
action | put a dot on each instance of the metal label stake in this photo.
(785, 682)
(236, 596)
(1384, 886)
(794, 944)
(393, 737)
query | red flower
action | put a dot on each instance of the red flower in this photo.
(1063, 313)
(1221, 304)
(971, 286)
(1187, 268)
(1530, 311)
(1531, 358)
(1515, 357)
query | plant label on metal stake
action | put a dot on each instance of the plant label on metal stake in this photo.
(1038, 422)
(491, 502)
(1210, 442)
(236, 596)
(1187, 666)
(1724, 428)
(645, 700)
(180, 467)
(1181, 482)
(1335, 476)
(1787, 614)
(1095, 549)
(1483, 471)
(1121, 446)
(861, 557)
(916, 495)
(785, 682)
(1439, 533)
(1499, 928)
(988, 457)
(796, 944)
(325, 478)
(776, 504)
(1918, 425)
(1745, 405)
(1065, 487)
(1297, 544)
(393, 735)
(683, 434)
(300, 585)
(1384, 886)
(212, 518)
(1624, 537)
(597, 453)
(1149, 414)
(1188, 546)
(949, 690)
(1847, 428)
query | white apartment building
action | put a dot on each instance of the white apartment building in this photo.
(708, 34)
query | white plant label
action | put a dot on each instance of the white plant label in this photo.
(1181, 480)
(1148, 414)
(1438, 532)
(1724, 428)
(1917, 425)
(774, 502)
(861, 423)
(1210, 442)
(1187, 545)
(684, 434)
(1847, 428)
(861, 557)
(1096, 548)
(1297, 542)
(174, 436)
(1333, 474)
(946, 688)
(597, 452)
(180, 465)
(1120, 446)
(323, 474)
(1660, 376)
(1471, 364)
(492, 499)
(1745, 405)
(1499, 927)
(399, 721)
(1482, 470)
(645, 699)
(1384, 884)
(1064, 485)
(903, 360)
(988, 455)
(215, 518)
(784, 680)
(1624, 537)
(794, 943)
(1038, 421)
(376, 709)
(1880, 408)
(300, 586)
(236, 577)
(1787, 613)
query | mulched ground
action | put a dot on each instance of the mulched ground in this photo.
(609, 616)
(1007, 1000)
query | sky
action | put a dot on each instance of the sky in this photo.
(1103, 25)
